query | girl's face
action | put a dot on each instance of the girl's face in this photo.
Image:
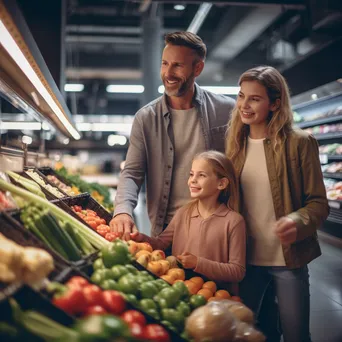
(253, 104)
(203, 182)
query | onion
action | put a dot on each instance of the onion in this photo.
(211, 322)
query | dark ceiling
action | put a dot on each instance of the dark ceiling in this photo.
(104, 42)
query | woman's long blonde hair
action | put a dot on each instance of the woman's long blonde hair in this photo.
(223, 168)
(280, 121)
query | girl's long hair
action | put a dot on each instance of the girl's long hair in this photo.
(279, 122)
(223, 168)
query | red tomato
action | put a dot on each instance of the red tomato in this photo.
(113, 302)
(133, 316)
(77, 281)
(93, 295)
(102, 230)
(95, 310)
(156, 333)
(111, 236)
(137, 331)
(91, 212)
(92, 223)
(72, 301)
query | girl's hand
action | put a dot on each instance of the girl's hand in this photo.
(187, 260)
(286, 230)
(136, 236)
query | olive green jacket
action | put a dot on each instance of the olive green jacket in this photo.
(298, 192)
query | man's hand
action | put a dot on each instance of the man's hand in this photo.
(123, 224)
(187, 260)
(286, 230)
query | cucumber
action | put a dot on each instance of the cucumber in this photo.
(50, 235)
(63, 237)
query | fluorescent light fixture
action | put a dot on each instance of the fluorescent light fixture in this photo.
(45, 126)
(213, 89)
(199, 17)
(14, 51)
(125, 88)
(179, 7)
(26, 140)
(28, 126)
(222, 90)
(74, 87)
(112, 127)
(114, 139)
(104, 127)
(83, 126)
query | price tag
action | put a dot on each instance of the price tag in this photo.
(335, 205)
(323, 158)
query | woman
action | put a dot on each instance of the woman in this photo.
(283, 203)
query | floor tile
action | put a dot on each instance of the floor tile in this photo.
(326, 326)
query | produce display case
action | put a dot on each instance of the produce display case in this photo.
(49, 196)
(48, 171)
(64, 276)
(87, 203)
(29, 299)
(11, 226)
(46, 181)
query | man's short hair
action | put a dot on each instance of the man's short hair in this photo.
(188, 39)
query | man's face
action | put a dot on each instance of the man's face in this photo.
(179, 69)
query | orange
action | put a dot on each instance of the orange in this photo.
(178, 280)
(236, 298)
(176, 273)
(198, 281)
(205, 293)
(167, 278)
(192, 287)
(222, 294)
(212, 298)
(210, 285)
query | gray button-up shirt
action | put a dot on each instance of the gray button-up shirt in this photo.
(151, 152)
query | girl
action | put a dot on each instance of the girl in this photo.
(206, 235)
(283, 202)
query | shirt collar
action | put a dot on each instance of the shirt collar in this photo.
(197, 99)
(221, 211)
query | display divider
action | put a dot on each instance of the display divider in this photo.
(36, 170)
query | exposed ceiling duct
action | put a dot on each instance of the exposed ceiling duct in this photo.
(245, 32)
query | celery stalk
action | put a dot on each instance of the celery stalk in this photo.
(95, 239)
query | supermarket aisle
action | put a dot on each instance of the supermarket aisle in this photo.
(326, 294)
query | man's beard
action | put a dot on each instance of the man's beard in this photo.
(182, 89)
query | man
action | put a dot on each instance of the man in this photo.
(167, 133)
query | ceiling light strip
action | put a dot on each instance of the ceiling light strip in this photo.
(16, 54)
(199, 17)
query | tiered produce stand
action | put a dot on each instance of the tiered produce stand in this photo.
(99, 288)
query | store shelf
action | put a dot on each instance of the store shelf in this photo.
(336, 204)
(337, 175)
(326, 136)
(322, 121)
(335, 215)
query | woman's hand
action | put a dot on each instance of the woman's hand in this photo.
(286, 230)
(187, 260)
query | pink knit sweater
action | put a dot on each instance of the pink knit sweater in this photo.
(218, 241)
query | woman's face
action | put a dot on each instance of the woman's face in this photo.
(253, 104)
